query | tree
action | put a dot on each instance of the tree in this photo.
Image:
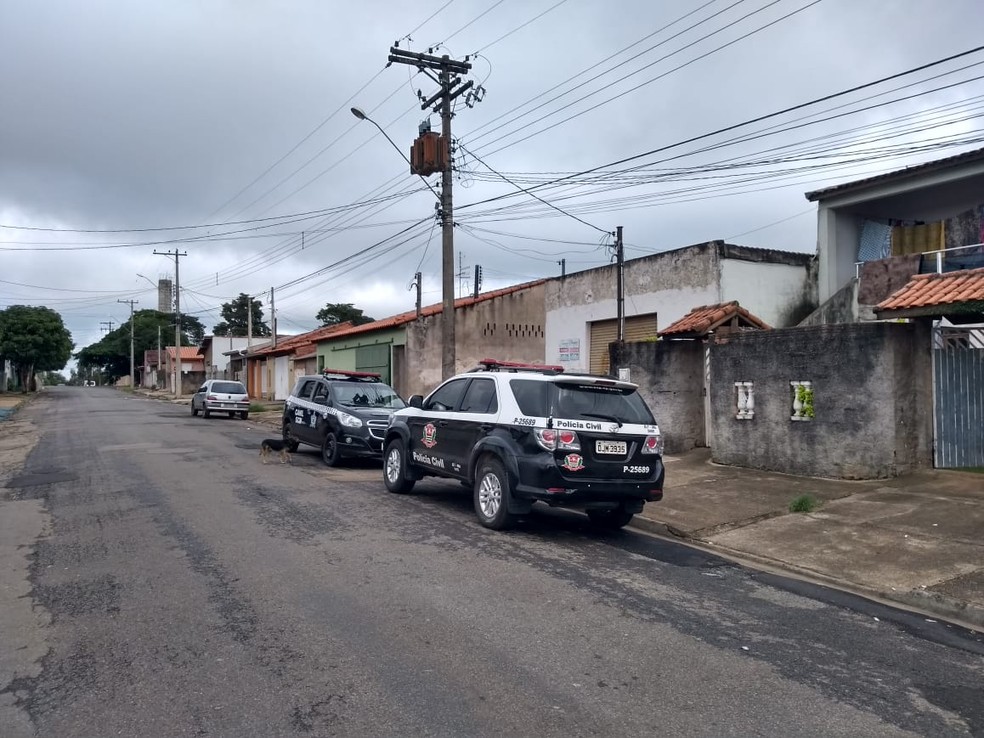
(342, 312)
(111, 355)
(33, 339)
(235, 318)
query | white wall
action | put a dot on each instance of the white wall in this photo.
(769, 291)
(573, 321)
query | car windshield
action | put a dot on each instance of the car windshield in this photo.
(229, 388)
(580, 401)
(366, 394)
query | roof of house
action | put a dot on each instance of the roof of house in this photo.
(917, 169)
(302, 341)
(395, 321)
(701, 320)
(938, 294)
(188, 353)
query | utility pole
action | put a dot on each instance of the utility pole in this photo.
(157, 368)
(449, 78)
(108, 324)
(620, 272)
(461, 274)
(563, 268)
(416, 283)
(478, 280)
(273, 319)
(177, 318)
(133, 373)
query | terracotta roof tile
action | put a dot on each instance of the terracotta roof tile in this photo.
(301, 340)
(931, 290)
(701, 320)
(395, 321)
(189, 353)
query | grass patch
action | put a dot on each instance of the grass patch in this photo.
(255, 407)
(803, 504)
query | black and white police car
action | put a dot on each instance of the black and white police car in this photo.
(342, 413)
(521, 433)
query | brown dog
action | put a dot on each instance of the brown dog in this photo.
(271, 445)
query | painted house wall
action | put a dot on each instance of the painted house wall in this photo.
(340, 353)
(668, 284)
(509, 327)
(779, 294)
(776, 286)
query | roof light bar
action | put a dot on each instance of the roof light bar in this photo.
(353, 375)
(493, 365)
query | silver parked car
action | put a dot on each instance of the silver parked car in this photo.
(223, 396)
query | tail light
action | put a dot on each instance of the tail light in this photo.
(211, 397)
(653, 444)
(550, 439)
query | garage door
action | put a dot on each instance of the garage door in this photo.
(374, 359)
(604, 332)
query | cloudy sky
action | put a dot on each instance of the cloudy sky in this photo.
(222, 128)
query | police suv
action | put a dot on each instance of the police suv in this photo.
(342, 413)
(521, 433)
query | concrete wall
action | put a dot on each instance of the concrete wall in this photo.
(510, 327)
(670, 375)
(872, 387)
(669, 284)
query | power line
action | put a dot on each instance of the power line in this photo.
(537, 197)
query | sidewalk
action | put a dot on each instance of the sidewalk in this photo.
(915, 540)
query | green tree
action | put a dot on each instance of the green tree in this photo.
(111, 355)
(33, 339)
(342, 312)
(235, 318)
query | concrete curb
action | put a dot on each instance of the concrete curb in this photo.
(931, 604)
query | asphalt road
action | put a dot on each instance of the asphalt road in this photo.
(188, 589)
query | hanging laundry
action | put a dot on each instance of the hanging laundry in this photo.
(875, 242)
(918, 239)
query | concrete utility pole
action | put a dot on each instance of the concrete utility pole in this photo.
(133, 372)
(620, 272)
(273, 319)
(449, 79)
(477, 283)
(177, 318)
(157, 368)
(108, 324)
(417, 283)
(563, 268)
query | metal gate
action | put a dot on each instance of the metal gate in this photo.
(958, 376)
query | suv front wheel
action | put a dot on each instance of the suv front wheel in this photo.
(330, 453)
(395, 468)
(492, 495)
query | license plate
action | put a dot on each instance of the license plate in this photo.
(611, 447)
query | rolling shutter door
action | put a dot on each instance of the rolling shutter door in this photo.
(604, 332)
(375, 358)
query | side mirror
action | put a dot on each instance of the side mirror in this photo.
(416, 401)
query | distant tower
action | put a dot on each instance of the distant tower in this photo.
(165, 296)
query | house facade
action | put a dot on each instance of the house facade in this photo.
(581, 308)
(191, 371)
(873, 234)
(216, 353)
(405, 349)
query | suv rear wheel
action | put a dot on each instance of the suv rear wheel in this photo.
(492, 495)
(609, 519)
(395, 468)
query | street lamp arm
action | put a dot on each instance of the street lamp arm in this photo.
(358, 113)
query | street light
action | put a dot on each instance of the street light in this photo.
(360, 114)
(447, 240)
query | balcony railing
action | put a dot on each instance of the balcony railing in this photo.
(945, 260)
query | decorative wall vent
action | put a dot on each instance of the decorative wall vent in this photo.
(802, 400)
(745, 400)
